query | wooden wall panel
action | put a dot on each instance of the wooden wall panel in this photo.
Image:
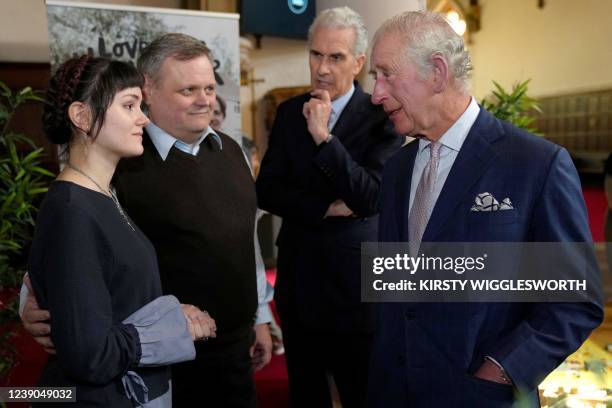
(580, 122)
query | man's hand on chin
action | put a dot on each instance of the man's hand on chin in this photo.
(317, 111)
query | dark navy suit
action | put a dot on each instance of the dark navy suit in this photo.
(326, 327)
(425, 353)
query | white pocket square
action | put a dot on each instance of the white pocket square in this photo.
(486, 202)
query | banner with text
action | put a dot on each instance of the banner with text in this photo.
(121, 32)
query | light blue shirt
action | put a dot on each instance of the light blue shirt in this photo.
(338, 106)
(164, 339)
(163, 141)
(451, 141)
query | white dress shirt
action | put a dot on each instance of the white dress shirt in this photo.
(451, 142)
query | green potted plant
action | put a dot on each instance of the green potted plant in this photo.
(515, 106)
(23, 181)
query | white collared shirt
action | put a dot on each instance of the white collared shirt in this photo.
(451, 141)
(163, 141)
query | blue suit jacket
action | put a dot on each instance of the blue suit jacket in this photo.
(425, 353)
(318, 260)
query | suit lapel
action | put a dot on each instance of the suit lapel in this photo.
(352, 110)
(475, 156)
(402, 189)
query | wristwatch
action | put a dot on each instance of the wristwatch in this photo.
(329, 138)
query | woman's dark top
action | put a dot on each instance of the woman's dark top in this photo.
(91, 270)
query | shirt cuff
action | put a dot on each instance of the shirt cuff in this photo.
(264, 315)
(163, 333)
(504, 373)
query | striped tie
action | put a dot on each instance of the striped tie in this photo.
(422, 205)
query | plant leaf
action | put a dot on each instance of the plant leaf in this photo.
(5, 90)
(515, 106)
(40, 170)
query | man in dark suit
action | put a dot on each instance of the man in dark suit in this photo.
(466, 354)
(321, 174)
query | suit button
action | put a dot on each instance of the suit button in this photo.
(410, 315)
(401, 360)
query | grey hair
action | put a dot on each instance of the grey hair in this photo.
(339, 18)
(180, 46)
(426, 33)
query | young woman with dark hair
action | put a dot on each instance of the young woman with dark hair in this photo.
(90, 266)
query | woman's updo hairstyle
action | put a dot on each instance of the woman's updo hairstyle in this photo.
(93, 81)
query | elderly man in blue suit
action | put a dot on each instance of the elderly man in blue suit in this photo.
(466, 354)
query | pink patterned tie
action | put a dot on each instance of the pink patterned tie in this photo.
(422, 205)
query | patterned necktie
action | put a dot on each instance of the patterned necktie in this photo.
(422, 205)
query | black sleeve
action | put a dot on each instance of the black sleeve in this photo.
(276, 192)
(358, 185)
(89, 346)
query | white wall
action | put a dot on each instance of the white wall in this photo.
(23, 31)
(564, 47)
(279, 63)
(23, 27)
